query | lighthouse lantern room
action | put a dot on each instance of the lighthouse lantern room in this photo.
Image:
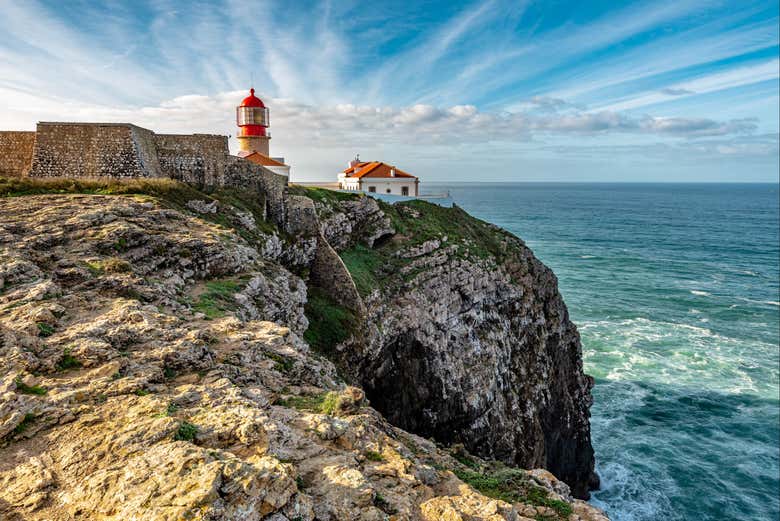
(253, 122)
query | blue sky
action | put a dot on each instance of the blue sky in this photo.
(487, 90)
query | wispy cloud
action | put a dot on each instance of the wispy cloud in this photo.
(736, 77)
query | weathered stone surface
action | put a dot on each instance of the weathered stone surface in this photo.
(354, 219)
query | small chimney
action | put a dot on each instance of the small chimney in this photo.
(354, 161)
(392, 171)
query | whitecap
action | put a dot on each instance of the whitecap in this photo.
(765, 302)
(587, 256)
(700, 293)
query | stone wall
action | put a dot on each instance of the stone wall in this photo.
(146, 148)
(16, 152)
(198, 159)
(86, 150)
(240, 173)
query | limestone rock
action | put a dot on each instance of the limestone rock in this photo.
(181, 388)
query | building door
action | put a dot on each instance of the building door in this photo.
(404, 190)
(372, 189)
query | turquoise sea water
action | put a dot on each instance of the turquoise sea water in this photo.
(675, 292)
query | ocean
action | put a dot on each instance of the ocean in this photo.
(675, 291)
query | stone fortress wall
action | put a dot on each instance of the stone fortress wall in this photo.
(16, 152)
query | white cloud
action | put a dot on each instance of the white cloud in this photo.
(299, 124)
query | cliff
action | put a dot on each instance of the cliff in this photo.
(466, 338)
(172, 354)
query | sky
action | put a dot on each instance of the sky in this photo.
(490, 90)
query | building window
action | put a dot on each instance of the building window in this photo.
(388, 190)
(372, 189)
(404, 190)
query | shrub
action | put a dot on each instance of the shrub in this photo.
(373, 455)
(45, 329)
(513, 486)
(68, 361)
(170, 410)
(186, 432)
(29, 389)
(28, 419)
(329, 403)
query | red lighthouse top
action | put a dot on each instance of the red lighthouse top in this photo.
(252, 116)
(252, 100)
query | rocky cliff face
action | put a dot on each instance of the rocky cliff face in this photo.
(466, 337)
(154, 365)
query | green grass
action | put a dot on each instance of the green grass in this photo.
(323, 403)
(373, 455)
(68, 361)
(323, 195)
(29, 389)
(141, 392)
(186, 432)
(513, 486)
(217, 299)
(364, 264)
(329, 323)
(476, 237)
(28, 419)
(381, 268)
(45, 329)
(465, 460)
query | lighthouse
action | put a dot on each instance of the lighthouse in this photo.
(253, 135)
(252, 121)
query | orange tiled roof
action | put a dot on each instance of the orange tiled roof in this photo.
(375, 169)
(262, 159)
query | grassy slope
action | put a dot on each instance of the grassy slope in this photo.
(415, 223)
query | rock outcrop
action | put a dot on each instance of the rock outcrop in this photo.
(466, 337)
(155, 363)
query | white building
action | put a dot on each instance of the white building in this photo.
(378, 177)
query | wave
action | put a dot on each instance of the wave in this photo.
(701, 293)
(761, 302)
